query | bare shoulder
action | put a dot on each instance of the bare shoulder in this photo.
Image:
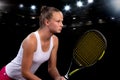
(55, 38)
(30, 40)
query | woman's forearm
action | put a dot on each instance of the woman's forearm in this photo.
(54, 73)
(30, 76)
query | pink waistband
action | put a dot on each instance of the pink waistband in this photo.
(3, 74)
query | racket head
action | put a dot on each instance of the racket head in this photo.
(90, 48)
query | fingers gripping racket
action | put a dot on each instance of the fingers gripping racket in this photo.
(89, 49)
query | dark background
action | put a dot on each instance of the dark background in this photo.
(14, 29)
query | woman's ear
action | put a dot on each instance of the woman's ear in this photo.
(46, 21)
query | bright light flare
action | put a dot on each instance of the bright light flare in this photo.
(90, 1)
(79, 4)
(67, 7)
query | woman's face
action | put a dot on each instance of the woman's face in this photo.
(55, 23)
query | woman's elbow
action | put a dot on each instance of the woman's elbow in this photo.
(24, 73)
(49, 69)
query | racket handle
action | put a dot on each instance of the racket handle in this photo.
(66, 77)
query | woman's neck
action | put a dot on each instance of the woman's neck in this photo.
(45, 34)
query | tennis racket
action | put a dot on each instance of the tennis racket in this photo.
(89, 49)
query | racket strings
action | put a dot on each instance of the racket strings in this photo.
(91, 43)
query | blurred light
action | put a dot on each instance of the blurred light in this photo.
(74, 28)
(79, 4)
(33, 17)
(67, 7)
(89, 23)
(33, 7)
(3, 5)
(101, 21)
(74, 18)
(90, 1)
(115, 5)
(113, 18)
(21, 6)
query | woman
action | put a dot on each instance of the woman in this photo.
(36, 48)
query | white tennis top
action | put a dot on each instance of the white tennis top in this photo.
(13, 69)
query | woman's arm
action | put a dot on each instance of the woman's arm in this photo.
(52, 69)
(29, 46)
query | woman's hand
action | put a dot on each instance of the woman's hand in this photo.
(60, 78)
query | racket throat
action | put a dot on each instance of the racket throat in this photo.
(67, 74)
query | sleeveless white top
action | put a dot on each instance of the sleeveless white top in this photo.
(13, 69)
